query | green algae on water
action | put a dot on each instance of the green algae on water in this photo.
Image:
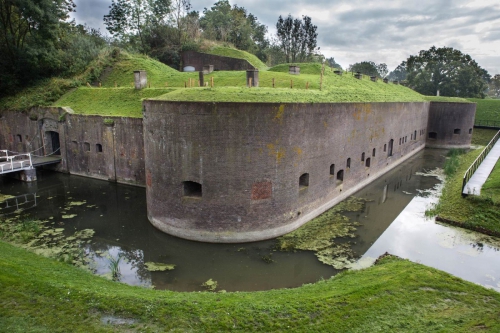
(43, 239)
(158, 267)
(322, 234)
(209, 285)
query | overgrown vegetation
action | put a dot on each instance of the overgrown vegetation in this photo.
(322, 235)
(452, 162)
(46, 92)
(475, 213)
(42, 295)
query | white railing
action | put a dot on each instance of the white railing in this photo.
(13, 163)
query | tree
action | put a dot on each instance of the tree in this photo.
(369, 68)
(398, 74)
(29, 38)
(364, 67)
(446, 70)
(332, 63)
(495, 86)
(297, 38)
(130, 17)
(234, 25)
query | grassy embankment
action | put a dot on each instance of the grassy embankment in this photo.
(487, 109)
(477, 213)
(168, 84)
(234, 53)
(41, 295)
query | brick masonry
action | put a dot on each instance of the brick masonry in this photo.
(247, 158)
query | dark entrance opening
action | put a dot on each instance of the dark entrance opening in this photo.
(192, 189)
(53, 144)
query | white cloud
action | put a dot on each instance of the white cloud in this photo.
(381, 31)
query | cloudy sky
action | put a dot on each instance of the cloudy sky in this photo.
(385, 31)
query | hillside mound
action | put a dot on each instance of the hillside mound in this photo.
(238, 54)
(305, 68)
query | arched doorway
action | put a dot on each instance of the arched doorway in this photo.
(52, 143)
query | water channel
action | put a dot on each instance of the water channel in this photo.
(117, 213)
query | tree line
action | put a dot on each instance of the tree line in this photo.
(38, 42)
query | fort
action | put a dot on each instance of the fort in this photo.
(240, 164)
(239, 172)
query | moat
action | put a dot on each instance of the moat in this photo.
(117, 213)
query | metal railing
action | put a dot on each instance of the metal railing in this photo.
(487, 123)
(11, 164)
(470, 171)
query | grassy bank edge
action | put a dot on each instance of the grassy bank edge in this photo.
(474, 213)
(41, 295)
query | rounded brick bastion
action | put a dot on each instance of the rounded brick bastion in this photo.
(450, 125)
(240, 172)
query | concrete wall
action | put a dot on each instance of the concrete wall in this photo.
(450, 125)
(249, 157)
(112, 152)
(198, 60)
(88, 146)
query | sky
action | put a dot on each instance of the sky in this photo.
(382, 31)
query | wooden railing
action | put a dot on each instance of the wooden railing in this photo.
(470, 171)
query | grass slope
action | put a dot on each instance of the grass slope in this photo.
(235, 53)
(126, 102)
(491, 188)
(305, 68)
(447, 99)
(476, 213)
(336, 88)
(41, 295)
(487, 109)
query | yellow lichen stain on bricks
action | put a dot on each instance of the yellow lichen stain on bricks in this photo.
(279, 115)
(276, 151)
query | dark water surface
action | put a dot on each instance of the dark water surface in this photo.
(117, 213)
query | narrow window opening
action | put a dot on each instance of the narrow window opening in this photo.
(433, 135)
(192, 189)
(362, 157)
(470, 130)
(19, 138)
(367, 163)
(332, 169)
(385, 147)
(348, 165)
(340, 177)
(86, 146)
(400, 141)
(304, 181)
(406, 138)
(98, 148)
(456, 131)
(391, 144)
(415, 135)
(373, 152)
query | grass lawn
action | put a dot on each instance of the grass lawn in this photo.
(238, 54)
(491, 189)
(125, 102)
(487, 109)
(42, 295)
(482, 136)
(471, 212)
